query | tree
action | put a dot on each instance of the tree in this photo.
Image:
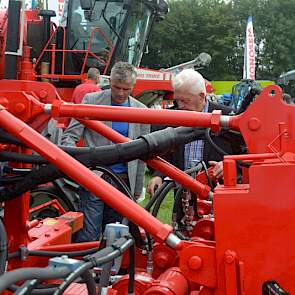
(218, 28)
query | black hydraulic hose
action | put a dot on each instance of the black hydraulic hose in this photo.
(10, 179)
(3, 248)
(207, 175)
(11, 49)
(133, 228)
(213, 144)
(53, 253)
(16, 171)
(158, 192)
(90, 282)
(109, 253)
(72, 277)
(148, 146)
(27, 287)
(177, 206)
(131, 269)
(39, 290)
(165, 191)
(155, 196)
(220, 150)
(8, 138)
(145, 147)
(101, 257)
(117, 179)
(161, 198)
(30, 273)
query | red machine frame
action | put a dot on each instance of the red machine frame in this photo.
(253, 221)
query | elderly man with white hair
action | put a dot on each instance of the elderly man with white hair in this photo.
(190, 95)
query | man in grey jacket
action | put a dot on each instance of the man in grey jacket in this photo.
(96, 212)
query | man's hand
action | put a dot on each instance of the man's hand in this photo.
(153, 184)
(217, 168)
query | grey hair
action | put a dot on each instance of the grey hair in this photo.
(93, 74)
(123, 71)
(190, 81)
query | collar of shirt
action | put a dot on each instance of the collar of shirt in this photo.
(87, 81)
(206, 107)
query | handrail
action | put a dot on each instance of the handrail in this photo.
(87, 53)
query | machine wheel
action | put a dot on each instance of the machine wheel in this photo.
(42, 195)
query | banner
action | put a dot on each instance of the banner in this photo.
(57, 6)
(249, 52)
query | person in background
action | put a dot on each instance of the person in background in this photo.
(96, 212)
(90, 85)
(190, 95)
(288, 99)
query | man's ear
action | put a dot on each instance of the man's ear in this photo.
(202, 94)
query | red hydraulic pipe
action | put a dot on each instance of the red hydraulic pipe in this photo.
(157, 164)
(136, 115)
(254, 156)
(70, 247)
(84, 176)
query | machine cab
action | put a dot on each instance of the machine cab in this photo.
(99, 33)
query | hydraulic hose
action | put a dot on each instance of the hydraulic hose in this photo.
(103, 256)
(220, 150)
(207, 175)
(90, 282)
(117, 179)
(3, 248)
(54, 253)
(213, 144)
(30, 273)
(131, 269)
(177, 206)
(148, 146)
(7, 138)
(39, 290)
(155, 196)
(72, 277)
(163, 191)
(161, 198)
(145, 147)
(27, 287)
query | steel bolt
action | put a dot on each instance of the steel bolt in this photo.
(195, 262)
(254, 124)
(229, 256)
(20, 108)
(43, 93)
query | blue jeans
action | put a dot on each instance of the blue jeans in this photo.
(92, 209)
(96, 215)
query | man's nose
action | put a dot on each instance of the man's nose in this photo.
(121, 91)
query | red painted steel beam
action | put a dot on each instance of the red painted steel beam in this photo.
(137, 115)
(84, 176)
(157, 164)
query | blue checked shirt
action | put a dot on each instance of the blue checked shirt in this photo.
(193, 151)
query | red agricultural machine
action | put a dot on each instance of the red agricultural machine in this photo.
(236, 239)
(91, 33)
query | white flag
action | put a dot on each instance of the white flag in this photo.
(249, 53)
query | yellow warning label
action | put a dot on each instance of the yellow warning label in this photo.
(50, 222)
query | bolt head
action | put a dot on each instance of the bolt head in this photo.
(195, 262)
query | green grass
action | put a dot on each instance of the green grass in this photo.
(165, 212)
